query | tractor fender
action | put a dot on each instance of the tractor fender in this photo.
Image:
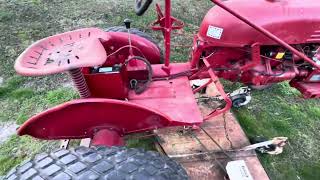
(116, 41)
(83, 118)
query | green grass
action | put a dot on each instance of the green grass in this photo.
(11, 85)
(145, 143)
(17, 104)
(18, 149)
(278, 111)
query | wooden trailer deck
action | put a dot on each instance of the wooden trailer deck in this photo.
(185, 148)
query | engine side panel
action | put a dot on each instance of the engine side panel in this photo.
(294, 21)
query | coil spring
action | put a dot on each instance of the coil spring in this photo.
(80, 82)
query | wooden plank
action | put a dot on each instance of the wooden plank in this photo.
(184, 143)
(206, 170)
(176, 143)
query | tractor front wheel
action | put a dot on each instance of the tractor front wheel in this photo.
(99, 163)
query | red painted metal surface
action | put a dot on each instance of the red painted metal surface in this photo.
(238, 54)
(118, 41)
(159, 24)
(113, 85)
(308, 90)
(219, 87)
(167, 33)
(83, 118)
(255, 57)
(278, 7)
(63, 52)
(240, 51)
(165, 23)
(85, 48)
(107, 137)
(293, 21)
(311, 77)
(81, 48)
(176, 68)
(197, 90)
(173, 98)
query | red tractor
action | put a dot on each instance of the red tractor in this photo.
(127, 85)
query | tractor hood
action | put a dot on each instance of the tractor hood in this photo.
(294, 21)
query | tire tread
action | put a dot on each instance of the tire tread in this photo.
(99, 163)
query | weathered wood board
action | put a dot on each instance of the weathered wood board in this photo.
(178, 145)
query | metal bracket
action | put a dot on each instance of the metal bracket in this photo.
(262, 147)
(241, 97)
(64, 144)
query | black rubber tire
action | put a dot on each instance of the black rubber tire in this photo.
(99, 163)
(138, 33)
(236, 102)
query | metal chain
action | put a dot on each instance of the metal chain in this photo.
(217, 144)
(224, 126)
(207, 150)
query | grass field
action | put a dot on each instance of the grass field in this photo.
(278, 111)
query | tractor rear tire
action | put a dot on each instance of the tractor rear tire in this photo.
(138, 33)
(99, 163)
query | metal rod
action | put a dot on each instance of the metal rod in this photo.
(202, 86)
(167, 32)
(208, 152)
(217, 144)
(266, 33)
(219, 87)
(80, 82)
